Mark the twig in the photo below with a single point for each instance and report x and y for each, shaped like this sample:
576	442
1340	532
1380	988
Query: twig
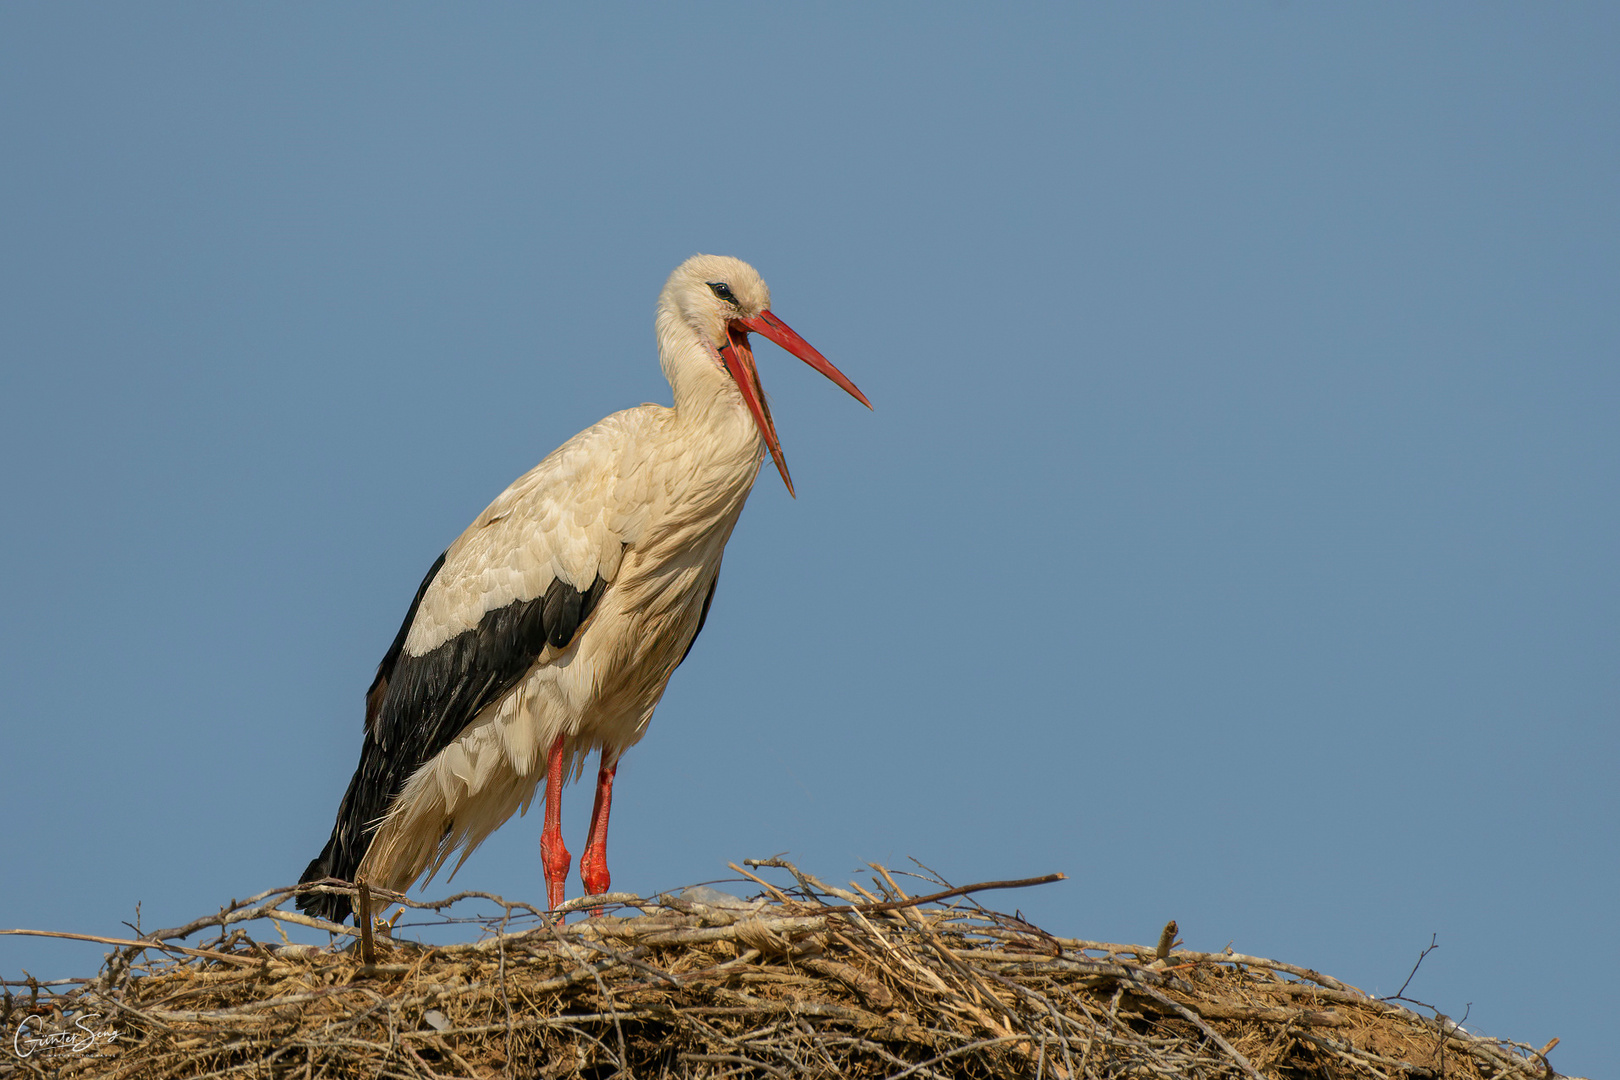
732	1059
368	948
1210	1033
579	903
959	1051
164	946
1167	940
613	1007
983	886
1399	995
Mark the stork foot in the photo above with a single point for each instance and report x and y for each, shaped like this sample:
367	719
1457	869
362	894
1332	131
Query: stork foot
595	872
593	864
555	861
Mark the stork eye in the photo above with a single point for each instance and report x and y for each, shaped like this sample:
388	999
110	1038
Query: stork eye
722	290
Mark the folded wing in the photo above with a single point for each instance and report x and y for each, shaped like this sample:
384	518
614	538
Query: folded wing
513	591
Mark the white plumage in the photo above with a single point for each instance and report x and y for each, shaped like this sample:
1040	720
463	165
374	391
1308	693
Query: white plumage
555	620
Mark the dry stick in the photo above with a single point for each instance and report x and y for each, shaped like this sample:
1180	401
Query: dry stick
204	953
1085	1055
631	961
728	933
731	1059
753	1005
581	1032
872	901
1167	939
251	1007
461	1062
1068	1058
140	1014
1542	1054
1484	1048
975	984
1059	1018
856	948
805	1039
524	1023
1020	932
368	948
1351	1052
483	989
896	905
818	1045
215	920
578	903
870	990
242	913
959	1051
379	1002
1273	1015
1487	1049
1209	1032
983	886
338	887
898	954
1399	995
1251	961
716	1033
874	1048
421	1061
613	1006
505	1000
809	881
772	889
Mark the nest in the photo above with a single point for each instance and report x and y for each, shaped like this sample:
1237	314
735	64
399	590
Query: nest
803	980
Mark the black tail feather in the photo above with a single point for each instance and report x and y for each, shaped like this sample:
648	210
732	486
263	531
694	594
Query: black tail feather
329	906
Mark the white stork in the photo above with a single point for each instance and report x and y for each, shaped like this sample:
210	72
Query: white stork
550	628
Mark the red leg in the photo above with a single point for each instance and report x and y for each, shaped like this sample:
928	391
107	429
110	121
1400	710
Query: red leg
554	857
593	864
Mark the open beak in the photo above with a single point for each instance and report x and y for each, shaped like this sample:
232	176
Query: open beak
739	360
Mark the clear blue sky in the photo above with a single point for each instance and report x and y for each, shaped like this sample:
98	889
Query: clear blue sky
1236	530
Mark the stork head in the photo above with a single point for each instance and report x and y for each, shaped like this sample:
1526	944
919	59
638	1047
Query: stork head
722	300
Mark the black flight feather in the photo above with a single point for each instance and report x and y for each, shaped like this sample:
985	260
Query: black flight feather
418	705
703	617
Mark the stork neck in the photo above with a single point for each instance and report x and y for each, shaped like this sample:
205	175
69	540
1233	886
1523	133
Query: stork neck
705	394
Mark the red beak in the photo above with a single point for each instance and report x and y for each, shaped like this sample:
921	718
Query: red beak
739	360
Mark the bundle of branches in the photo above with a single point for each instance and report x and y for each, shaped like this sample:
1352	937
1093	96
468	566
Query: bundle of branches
803	980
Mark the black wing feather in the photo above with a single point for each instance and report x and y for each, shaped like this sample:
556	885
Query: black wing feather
379	685
562	606
418	705
703	617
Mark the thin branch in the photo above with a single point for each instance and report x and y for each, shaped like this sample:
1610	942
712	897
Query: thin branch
1399	995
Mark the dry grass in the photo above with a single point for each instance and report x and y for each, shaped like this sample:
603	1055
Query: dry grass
807	980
